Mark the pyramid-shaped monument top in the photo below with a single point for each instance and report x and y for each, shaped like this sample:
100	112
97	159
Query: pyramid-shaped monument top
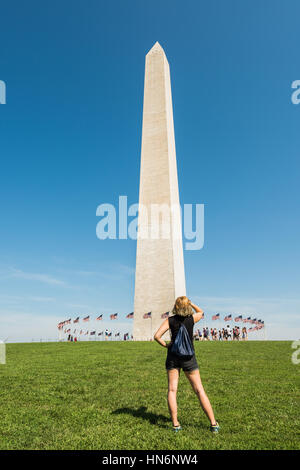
156	48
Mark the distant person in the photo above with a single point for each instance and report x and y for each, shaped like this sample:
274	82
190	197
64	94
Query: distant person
207	334
187	314
233	333
228	333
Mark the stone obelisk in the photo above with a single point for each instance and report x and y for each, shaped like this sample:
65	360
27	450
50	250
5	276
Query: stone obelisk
159	276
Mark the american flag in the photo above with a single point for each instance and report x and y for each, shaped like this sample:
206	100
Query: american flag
147	315
239	318
100	317
109	334
113	316
76	320
101	333
117	334
87	333
130	315
215	317
86	318
228	317
246	320
61	325
165	315
68	331
92	332
81	331
253	321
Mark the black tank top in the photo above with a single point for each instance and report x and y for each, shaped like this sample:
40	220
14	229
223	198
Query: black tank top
175	323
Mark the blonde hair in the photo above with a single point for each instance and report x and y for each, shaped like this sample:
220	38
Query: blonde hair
183	307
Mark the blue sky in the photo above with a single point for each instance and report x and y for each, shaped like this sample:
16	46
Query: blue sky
70	137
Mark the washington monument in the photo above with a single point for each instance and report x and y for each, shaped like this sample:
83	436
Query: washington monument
159	276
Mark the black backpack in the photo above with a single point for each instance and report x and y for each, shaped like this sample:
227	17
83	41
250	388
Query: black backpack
182	345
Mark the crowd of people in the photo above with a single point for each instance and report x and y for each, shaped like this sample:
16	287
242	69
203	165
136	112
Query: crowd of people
225	334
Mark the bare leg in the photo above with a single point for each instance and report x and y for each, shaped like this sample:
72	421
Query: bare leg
195	381
173	376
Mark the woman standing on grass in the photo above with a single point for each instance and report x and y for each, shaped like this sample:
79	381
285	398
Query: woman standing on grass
188	314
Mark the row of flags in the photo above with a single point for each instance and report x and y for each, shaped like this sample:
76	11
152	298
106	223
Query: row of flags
94	333
253	321
114	316
255	328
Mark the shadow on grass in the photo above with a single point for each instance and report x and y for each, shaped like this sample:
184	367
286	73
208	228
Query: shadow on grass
144	414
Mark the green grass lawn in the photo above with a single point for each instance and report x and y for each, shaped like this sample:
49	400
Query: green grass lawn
112	395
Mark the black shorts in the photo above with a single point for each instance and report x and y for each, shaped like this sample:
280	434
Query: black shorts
175	362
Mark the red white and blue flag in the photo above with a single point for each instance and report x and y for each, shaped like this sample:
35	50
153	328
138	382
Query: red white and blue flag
92	332
239	318
99	318
147	315
130	315
228	318
165	315
76	320
113	316
86	318
216	317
